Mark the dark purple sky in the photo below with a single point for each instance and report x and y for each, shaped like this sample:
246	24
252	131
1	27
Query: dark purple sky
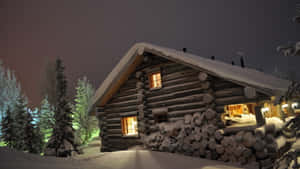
92	35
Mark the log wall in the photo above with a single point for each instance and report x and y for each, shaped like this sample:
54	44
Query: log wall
194	102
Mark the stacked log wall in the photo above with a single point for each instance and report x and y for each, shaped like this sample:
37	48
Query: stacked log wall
194	101
123	104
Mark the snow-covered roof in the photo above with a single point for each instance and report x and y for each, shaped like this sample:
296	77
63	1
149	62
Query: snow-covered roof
247	76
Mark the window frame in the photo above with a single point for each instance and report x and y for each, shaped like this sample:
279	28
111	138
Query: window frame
150	79
257	120
122	126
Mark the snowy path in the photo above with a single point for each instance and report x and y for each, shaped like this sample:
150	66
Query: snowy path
132	159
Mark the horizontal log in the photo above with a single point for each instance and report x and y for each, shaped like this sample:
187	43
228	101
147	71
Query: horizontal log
179	74
176	101
114	131
111	120
187	106
113	136
127	93
181	80
123	98
177	94
127	87
122	104
131	113
229	92
112	115
181	113
114	126
121	109
174	119
233	130
176	88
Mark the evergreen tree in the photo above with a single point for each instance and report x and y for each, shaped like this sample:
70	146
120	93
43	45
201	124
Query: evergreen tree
45	119
82	122
20	117
8	129
62	142
32	137
10	90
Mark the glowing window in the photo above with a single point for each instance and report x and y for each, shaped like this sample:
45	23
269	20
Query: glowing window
290	108
269	110
155	80
239	114
129	126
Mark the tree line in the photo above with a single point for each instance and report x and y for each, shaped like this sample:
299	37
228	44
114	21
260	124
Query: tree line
58	127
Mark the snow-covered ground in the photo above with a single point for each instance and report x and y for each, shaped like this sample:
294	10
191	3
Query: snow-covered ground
131	159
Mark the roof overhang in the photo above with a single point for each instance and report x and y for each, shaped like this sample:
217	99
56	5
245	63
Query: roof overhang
245	76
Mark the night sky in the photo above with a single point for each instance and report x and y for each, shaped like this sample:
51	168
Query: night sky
92	35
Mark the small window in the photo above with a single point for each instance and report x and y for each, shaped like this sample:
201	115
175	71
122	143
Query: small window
129	126
239	114
155	80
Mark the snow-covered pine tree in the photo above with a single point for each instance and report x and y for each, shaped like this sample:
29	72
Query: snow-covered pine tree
10	90
62	141
45	119
8	130
82	122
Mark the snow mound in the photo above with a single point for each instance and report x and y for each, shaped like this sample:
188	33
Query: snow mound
12	159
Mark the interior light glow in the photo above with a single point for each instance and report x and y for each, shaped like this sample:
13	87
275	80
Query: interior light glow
295	105
265	109
284	106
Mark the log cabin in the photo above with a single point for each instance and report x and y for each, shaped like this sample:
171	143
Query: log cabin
170	100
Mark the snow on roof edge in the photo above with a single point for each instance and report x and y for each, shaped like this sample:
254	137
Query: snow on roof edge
221	69
125	61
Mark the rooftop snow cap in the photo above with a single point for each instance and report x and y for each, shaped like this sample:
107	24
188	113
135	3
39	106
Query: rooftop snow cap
244	76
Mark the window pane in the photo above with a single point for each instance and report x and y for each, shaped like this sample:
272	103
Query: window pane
155	80
240	114
129	125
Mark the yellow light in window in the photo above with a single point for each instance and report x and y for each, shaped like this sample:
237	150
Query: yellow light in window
295	105
284	106
155	80
129	125
265	109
